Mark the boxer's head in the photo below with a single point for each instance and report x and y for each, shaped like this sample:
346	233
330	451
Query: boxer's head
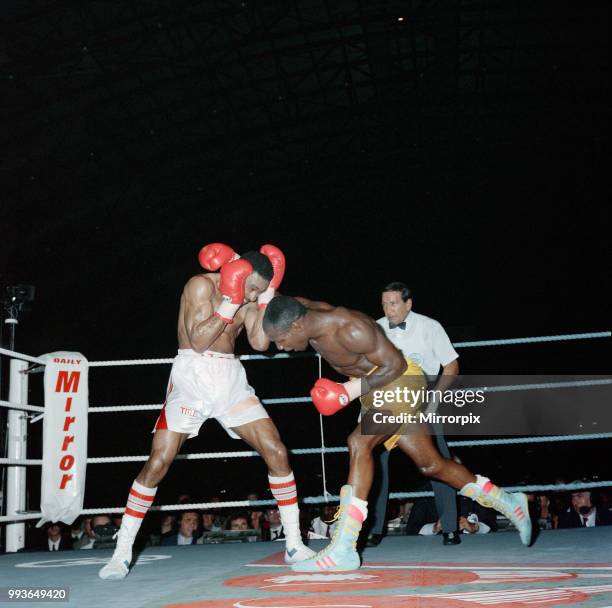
396	301
283	323
257	282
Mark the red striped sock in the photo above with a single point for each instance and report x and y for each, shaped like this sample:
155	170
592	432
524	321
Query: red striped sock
139	500
284	491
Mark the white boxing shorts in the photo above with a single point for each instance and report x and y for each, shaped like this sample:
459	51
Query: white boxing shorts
208	385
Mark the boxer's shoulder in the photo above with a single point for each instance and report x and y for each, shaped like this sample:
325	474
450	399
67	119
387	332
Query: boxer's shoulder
200	286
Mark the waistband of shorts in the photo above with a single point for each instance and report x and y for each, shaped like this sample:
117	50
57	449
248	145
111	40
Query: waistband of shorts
188	352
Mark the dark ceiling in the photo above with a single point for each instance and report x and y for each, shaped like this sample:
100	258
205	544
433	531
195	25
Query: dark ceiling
459	145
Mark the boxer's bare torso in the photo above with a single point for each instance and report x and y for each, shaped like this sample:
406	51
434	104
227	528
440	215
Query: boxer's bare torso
351	342
200	298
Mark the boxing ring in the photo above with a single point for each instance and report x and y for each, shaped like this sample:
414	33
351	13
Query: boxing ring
565	567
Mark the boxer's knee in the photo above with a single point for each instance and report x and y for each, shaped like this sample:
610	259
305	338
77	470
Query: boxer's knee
275	455
431	467
156	468
358	444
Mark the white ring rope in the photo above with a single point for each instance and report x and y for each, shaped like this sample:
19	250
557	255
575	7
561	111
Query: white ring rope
21	406
16	355
323	450
561	487
286	400
472	344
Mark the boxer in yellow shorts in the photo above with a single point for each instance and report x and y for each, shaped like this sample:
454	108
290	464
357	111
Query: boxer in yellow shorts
354	345
413	380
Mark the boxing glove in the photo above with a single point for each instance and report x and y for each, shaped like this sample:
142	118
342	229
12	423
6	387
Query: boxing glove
329	396
215	255
232	286
277	259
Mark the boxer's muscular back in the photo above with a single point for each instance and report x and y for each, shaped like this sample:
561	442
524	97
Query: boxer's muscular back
338	324
196	307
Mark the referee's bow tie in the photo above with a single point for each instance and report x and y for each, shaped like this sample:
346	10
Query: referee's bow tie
401	325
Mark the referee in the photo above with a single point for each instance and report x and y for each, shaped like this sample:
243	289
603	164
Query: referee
423	340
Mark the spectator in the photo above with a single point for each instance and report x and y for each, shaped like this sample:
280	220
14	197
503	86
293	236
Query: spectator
423	512
211	522
189	525
56	539
238	521
467	525
431	528
405	509
273	529
472	512
256	517
604	506
167	526
582	513
324	525
220	519
88	540
547	520
77	530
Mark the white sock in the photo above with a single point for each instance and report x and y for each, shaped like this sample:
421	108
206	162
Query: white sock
139	500
284	491
362	505
481	481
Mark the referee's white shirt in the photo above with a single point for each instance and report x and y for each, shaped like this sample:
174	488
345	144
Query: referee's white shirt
424	341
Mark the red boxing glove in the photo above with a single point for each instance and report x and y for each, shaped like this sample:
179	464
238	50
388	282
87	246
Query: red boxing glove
277	259
215	255
329	396
233	277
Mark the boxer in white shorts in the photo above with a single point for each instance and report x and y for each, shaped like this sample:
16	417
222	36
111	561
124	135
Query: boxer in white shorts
208	385
207	381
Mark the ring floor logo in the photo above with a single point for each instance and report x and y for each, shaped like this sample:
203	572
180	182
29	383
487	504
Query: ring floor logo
86	561
423	586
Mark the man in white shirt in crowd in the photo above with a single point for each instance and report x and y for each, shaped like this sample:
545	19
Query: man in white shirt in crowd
423	340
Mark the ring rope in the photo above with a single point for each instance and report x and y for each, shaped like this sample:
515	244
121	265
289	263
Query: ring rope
21	406
471	344
313	500
324	450
286	400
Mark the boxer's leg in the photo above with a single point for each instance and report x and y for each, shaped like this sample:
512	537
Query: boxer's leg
262	435
419	446
166	445
341	553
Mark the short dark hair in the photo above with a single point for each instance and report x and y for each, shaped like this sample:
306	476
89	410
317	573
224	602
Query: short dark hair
404	290
261	264
281	312
237	515
185	511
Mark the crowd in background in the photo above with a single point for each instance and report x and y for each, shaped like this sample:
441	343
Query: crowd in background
418	517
